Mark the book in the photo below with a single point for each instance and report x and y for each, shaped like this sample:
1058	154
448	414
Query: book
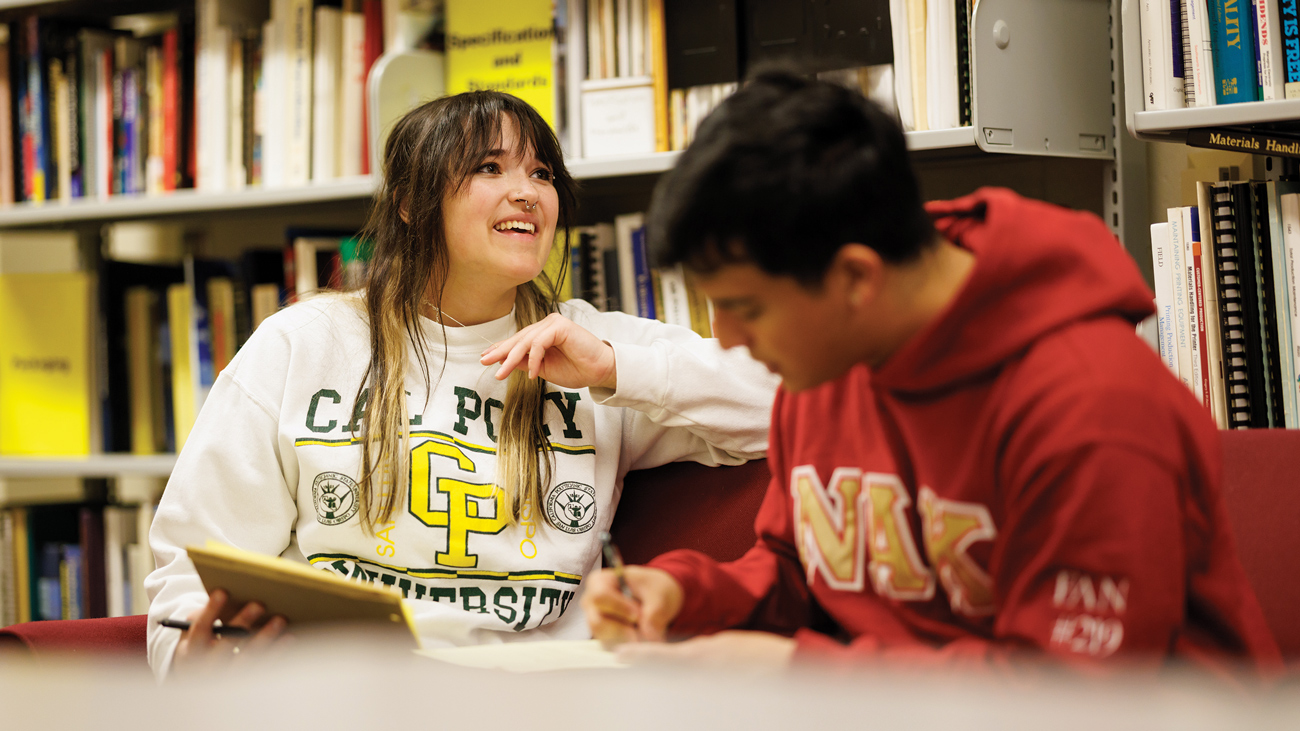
624	225
941	64
1233	48
1200	52
1202	226
326	73
702	45
1201	358
1157	66
507	46
1282	289
1248	264
1162	275
91	571
1231	315
1269	45
1181	299
183	365
1268	305
48	393
1289	25
352	81
1254	141
299	593
131	311
298	40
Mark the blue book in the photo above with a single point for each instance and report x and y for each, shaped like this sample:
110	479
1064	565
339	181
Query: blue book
645	298
1290	23
1236	76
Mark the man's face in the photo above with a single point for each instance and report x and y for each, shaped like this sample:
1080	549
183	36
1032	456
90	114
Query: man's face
798	332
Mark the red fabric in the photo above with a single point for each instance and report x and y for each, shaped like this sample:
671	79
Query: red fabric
124	636
1261	485
688	505
1023	474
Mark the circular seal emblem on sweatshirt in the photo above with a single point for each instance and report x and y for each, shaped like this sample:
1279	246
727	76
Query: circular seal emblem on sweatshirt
336	497
571	507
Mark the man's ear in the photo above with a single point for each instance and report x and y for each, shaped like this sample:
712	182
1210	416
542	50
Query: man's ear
860	270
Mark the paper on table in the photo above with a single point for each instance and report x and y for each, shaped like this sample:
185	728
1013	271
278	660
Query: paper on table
529	657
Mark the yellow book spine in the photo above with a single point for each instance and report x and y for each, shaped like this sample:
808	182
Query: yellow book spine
659	72
178	325
139	355
22	565
46	398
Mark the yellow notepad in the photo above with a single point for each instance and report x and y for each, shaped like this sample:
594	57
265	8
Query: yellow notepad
299	593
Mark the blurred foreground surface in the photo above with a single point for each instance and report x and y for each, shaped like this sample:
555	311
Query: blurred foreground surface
352	685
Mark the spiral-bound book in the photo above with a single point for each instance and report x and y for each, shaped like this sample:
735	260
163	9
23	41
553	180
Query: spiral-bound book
1232	330
1251	305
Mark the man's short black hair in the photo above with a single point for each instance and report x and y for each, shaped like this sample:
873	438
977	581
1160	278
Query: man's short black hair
781	175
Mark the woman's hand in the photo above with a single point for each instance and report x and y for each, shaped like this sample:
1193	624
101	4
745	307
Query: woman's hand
559	350
200	647
615	619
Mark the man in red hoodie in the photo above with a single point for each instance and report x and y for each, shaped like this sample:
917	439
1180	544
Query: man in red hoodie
973	455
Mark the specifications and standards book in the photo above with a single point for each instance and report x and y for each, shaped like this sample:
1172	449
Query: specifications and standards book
299	593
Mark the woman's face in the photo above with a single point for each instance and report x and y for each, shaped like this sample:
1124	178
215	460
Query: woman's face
495	235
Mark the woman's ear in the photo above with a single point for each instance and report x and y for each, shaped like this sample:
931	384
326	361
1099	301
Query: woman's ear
402	213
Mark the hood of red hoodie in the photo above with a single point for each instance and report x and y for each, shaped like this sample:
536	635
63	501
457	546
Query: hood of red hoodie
1038	268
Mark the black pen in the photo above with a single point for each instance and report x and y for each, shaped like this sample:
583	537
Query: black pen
217	629
615	562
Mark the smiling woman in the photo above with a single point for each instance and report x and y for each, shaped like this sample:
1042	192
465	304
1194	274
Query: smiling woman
370	433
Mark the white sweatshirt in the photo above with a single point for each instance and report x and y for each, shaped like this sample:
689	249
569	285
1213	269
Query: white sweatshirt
271	466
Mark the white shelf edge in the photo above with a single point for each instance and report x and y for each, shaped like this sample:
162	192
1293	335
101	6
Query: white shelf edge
100	465
1224	115
940	139
183	202
612	167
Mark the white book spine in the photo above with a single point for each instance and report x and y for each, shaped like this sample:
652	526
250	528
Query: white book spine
212	47
327	58
275	129
352	86
1162	271
676	303
1182	335
1174	81
623	27
941	64
623	227
236	176
1155	61
637	38
298	77
142	562
1269	37
114	569
1198	38
902	64
1291	235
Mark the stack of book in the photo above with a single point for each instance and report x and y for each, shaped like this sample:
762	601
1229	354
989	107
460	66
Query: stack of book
72	561
642	74
1225	278
234	94
1199	53
608	267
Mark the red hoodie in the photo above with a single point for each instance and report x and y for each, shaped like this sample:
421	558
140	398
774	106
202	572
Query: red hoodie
1023	473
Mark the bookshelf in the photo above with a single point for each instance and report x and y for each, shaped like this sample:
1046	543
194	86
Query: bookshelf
100	465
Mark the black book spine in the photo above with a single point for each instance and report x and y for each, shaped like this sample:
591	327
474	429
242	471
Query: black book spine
1227	275
1268	304
1248	261
963	61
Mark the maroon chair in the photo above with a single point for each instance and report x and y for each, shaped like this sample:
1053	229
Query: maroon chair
122	636
1261	486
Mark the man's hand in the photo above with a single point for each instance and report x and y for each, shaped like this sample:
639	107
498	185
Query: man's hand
201	647
559	350
755	652
616	619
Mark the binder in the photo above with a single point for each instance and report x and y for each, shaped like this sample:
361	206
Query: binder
1268	305
1248	261
1232	316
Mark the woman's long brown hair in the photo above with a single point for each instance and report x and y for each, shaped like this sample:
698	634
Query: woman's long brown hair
428	158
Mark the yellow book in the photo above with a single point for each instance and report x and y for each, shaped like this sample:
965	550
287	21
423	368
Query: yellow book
47	395
22	565
699	304
555	275
178	328
503	45
141	302
299	593
659	72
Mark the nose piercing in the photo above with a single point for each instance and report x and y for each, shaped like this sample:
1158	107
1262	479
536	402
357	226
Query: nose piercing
530	207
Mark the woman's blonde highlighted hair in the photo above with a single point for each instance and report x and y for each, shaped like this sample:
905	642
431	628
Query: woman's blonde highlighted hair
429	157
